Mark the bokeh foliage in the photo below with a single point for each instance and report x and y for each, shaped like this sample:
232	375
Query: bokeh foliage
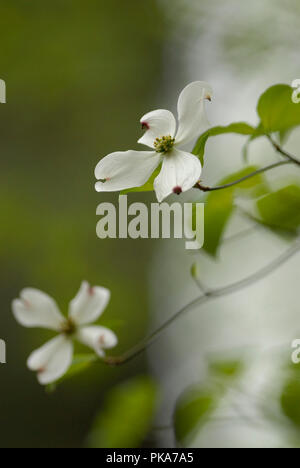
79	75
127	417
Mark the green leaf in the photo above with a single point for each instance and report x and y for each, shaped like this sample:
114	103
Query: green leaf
290	400
81	362
284	135
226	368
220	206
194	270
281	209
127	415
240	128
199	149
218	210
147	187
276	109
192	411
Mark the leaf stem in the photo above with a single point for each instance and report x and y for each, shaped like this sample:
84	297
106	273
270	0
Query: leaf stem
206	297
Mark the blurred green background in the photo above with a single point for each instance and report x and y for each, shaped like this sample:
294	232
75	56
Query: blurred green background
79	75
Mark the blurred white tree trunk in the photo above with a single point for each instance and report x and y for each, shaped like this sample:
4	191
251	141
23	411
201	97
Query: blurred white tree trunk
232	45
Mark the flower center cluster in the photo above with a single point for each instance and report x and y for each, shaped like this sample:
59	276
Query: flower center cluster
68	327
164	144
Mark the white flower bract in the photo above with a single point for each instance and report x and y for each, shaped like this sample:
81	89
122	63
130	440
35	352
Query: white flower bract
180	170
34	308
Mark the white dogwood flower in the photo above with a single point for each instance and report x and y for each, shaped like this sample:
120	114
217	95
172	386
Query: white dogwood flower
180	169
34	308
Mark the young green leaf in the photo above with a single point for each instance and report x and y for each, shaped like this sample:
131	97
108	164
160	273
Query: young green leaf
219	205
226	368
281	209
290	400
126	417
276	109
81	362
218	210
240	128
283	135
192	411
194	270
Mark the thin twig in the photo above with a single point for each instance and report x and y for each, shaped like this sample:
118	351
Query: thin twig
203	299
241	234
284	153
291	159
243	179
200	285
